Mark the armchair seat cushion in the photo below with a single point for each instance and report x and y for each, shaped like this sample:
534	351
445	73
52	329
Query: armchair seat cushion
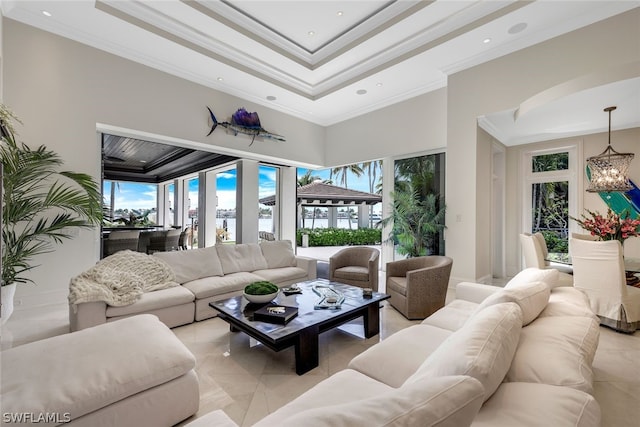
398	284
352	272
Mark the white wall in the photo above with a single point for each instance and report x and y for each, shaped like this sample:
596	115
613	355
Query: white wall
413	126
63	90
504	84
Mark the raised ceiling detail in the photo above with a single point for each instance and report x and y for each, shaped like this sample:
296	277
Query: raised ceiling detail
310	58
129	159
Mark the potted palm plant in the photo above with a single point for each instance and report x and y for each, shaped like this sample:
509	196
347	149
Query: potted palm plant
40	206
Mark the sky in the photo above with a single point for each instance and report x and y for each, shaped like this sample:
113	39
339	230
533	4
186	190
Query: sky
143	196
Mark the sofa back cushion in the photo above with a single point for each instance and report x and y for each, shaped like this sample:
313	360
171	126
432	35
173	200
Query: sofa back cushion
241	257
528	275
278	253
483	348
192	264
450	401
531	297
557	350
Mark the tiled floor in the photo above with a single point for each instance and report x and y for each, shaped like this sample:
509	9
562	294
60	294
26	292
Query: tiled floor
248	381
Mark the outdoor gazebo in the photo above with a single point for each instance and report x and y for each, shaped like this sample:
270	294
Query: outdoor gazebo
319	194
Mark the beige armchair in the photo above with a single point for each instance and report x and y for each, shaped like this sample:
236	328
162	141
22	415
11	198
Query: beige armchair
598	271
418	286
357	266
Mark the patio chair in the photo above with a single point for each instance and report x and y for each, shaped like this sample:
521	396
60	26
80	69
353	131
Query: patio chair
162	241
120	241
418	286
357	266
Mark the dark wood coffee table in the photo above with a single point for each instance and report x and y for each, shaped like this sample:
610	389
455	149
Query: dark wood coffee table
302	332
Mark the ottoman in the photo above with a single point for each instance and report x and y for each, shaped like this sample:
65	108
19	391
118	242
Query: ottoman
131	372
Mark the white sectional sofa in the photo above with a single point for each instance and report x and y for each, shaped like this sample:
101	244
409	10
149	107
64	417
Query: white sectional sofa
518	356
205	275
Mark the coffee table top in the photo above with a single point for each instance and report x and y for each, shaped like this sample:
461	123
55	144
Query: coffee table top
241	310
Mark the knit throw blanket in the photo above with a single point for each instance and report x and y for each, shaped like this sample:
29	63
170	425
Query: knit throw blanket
121	279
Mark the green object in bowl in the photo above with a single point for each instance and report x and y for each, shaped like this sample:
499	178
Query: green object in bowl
261	288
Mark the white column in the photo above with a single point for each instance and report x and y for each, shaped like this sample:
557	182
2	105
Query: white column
363	216
388	180
289	209
247	201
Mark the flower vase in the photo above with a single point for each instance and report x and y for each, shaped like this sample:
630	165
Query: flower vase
6	298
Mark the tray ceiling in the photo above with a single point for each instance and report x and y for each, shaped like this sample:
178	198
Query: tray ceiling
328	61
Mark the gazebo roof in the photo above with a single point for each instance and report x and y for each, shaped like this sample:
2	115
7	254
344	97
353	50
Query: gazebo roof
319	193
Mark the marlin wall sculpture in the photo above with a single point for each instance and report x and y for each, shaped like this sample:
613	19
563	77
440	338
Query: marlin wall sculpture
245	123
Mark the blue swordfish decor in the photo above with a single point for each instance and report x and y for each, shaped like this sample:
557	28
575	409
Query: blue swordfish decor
246	123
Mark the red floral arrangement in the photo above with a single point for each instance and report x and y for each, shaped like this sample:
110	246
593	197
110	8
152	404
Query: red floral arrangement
611	227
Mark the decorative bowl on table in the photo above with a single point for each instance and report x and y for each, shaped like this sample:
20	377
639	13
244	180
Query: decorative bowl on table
260	292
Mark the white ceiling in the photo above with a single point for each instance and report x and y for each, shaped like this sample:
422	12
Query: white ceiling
391	50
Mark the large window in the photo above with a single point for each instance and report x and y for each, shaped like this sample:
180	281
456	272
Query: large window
226	188
268	202
549	196
419	205
130	203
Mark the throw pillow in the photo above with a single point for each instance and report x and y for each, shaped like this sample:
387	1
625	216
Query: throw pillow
449	401
278	253
528	275
482	349
531	297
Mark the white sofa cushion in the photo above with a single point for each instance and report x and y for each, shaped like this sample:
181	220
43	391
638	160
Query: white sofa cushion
565	301
92	368
212	286
451	401
278	253
540	405
556	351
344	386
149	301
532	274
397	357
282	274
241	257
192	264
531	297
482	349
452	316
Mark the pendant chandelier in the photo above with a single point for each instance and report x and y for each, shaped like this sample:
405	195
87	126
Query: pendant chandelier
609	169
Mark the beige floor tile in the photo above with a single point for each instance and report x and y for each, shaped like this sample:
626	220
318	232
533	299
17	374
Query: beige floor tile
619	402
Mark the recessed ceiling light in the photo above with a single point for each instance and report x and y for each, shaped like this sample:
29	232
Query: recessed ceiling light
361	91
518	28
271	98
311	33
487	40
46	13
143	161
379	84
220	79
339	13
